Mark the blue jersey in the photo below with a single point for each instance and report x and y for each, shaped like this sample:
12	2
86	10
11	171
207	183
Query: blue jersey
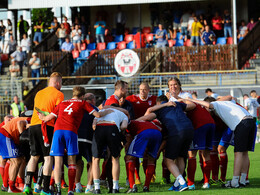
174	119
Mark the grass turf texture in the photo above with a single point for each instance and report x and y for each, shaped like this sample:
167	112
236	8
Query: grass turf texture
157	188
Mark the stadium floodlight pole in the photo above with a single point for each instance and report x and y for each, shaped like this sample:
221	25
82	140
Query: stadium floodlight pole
234	19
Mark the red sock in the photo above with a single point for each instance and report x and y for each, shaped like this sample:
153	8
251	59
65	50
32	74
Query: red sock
131	172
192	164
127	169
207	169
223	165
248	170
20	182
214	164
166	173
145	162
137	168
103	174
72	175
6	174
13	188
2	168
52	181
201	162
149	174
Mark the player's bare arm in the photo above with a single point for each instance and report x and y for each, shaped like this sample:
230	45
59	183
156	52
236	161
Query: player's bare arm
148	117
157	107
203	103
94	124
46	118
123	125
225	98
101	114
118	108
21	125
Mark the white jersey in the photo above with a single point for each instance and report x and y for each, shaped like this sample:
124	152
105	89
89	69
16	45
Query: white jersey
252	106
231	113
214	95
117	117
182	95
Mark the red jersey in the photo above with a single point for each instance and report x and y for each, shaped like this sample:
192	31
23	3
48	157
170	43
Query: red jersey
140	106
199	117
69	114
136	127
113	99
2	124
220	125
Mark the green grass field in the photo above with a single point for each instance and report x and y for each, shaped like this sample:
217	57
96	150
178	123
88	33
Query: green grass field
156	188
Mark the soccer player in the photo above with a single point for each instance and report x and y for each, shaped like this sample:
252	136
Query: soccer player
210	93
146	135
120	91
9	147
107	133
242	123
251	105
69	114
180	134
46	100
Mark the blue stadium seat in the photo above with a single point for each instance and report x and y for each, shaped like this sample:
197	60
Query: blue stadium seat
221	41
91	46
111	45
130	45
135	30
119	38
179	42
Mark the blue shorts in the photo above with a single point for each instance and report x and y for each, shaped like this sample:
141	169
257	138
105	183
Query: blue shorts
8	149
150	139
203	137
227	138
76	41
64	139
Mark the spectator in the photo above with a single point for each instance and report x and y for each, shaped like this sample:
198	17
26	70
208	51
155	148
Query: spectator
100	30
184	24
2	33
35	67
208	36
14	69
25	90
9	27
19	57
251	24
190	21
11	44
66	25
196	29
161	36
67	46
84	30
120	19
23	27
227	24
38	30
176	21
217	25
202	20
54	25
76	22
26	46
76	37
242	30
17	107
61	34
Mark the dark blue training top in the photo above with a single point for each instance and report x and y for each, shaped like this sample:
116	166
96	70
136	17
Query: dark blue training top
85	130
174	118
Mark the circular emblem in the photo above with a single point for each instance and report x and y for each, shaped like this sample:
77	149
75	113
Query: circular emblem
127	63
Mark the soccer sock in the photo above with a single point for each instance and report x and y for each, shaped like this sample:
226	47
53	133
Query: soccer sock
243	178
192	164
58	186
46	183
39	178
97	184
103	174
248	170
176	183
52	182
201	162
181	180
145	162
207	170
127	170
137	168
12	187
28	179
214	164
62	176
149	174
90	187
131	173
6	174
2	168
234	181
115	184
223	165
20	181
72	175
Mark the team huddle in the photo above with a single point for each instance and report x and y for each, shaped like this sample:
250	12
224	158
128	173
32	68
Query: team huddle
60	132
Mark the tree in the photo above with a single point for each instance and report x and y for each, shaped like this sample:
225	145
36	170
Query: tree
45	13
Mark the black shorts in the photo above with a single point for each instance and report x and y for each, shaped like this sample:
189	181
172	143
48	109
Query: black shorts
85	150
106	136
36	140
178	145
244	139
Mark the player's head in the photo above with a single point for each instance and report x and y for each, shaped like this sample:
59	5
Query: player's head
161	98
7	118
208	91
90	98
245	96
253	94
144	90
194	95
209	99
78	92
174	85
56	80
121	88
122	101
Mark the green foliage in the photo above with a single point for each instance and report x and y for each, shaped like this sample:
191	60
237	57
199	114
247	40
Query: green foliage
45	13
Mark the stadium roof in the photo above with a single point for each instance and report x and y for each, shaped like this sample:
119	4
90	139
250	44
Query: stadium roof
26	4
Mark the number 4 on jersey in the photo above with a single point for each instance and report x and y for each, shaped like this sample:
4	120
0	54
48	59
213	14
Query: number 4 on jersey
69	109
